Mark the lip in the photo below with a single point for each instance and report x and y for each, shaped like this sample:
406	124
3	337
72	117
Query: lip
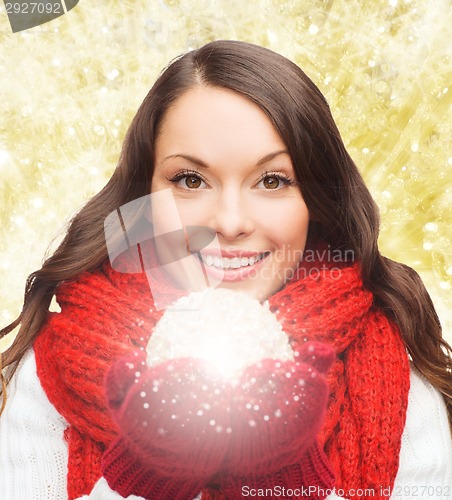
231	274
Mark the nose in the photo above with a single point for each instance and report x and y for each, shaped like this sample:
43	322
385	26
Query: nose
232	215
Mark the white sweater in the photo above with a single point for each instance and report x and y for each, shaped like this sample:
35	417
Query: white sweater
33	453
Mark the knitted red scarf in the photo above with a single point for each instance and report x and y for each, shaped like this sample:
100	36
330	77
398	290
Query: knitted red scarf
105	314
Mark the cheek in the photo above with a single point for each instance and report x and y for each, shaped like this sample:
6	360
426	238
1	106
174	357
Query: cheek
194	212
287	224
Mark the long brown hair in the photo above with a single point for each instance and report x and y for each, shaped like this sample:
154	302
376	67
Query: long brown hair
342	210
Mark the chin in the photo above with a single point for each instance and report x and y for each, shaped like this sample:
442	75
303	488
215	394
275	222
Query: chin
261	293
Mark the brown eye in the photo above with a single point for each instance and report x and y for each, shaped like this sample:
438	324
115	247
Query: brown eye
192	182
188	180
271	182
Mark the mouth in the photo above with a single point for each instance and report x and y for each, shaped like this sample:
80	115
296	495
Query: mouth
225	263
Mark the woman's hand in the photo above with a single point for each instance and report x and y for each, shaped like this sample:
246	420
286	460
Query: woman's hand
277	410
174	416
286	404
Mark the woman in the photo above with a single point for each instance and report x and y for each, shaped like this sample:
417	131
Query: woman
246	145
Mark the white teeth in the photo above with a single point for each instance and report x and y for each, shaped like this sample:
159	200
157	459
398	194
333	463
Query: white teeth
226	263
235	263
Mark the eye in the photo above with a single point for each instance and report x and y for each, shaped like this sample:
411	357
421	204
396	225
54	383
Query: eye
192	181
188	180
273	181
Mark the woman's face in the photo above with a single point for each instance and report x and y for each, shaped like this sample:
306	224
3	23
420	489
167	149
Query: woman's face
228	170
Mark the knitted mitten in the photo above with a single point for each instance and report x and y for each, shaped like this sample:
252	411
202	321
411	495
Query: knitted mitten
311	477
128	475
171	419
273	442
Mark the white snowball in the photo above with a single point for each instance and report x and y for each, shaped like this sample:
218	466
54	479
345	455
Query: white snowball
229	329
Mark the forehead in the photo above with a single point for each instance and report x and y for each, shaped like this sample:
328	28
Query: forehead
213	122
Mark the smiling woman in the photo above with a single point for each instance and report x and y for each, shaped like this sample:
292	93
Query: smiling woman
235	140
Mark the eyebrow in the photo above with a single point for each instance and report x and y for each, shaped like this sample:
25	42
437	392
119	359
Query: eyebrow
200	163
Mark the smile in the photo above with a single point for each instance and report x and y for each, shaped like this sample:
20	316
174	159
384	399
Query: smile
231	263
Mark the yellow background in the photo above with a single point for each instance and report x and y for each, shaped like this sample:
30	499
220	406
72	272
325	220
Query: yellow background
69	89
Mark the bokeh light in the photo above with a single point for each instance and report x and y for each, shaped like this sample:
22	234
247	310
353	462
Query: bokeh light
69	89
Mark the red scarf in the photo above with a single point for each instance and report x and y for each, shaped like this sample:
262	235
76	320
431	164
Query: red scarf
105	314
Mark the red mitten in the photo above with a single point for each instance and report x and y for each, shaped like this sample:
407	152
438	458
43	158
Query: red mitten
172	421
311	477
279	409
